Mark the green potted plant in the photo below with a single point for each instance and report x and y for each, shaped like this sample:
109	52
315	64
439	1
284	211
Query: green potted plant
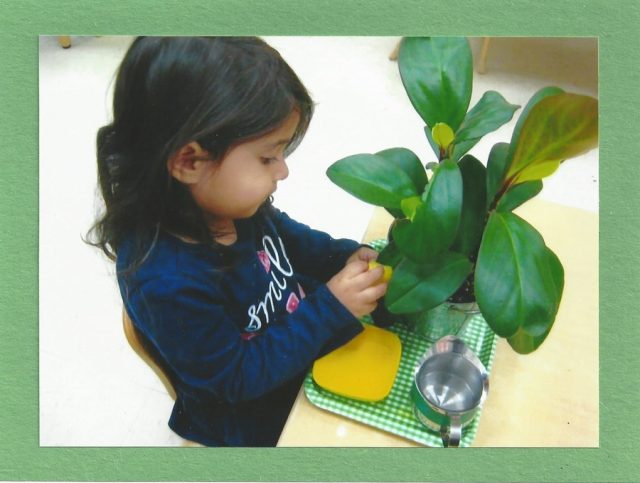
455	236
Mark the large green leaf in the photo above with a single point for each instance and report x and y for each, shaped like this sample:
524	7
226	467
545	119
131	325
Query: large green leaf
496	170
437	73
372	179
474	202
491	112
395	212
390	255
436	220
514	284
416	287
535	99
518	194
524	341
557	128
408	162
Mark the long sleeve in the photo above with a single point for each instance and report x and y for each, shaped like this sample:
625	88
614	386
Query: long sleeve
314	253
238	327
195	334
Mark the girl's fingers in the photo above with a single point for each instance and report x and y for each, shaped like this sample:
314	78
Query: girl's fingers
368	309
355	268
367	254
374	292
367	278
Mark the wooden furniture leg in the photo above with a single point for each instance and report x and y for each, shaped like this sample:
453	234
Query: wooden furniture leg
394	54
484	51
64	41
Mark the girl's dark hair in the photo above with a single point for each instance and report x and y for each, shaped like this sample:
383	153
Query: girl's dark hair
169	91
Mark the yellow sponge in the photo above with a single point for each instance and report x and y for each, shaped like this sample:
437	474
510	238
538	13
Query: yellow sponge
365	368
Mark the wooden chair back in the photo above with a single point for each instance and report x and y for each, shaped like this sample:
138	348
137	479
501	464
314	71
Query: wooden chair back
141	346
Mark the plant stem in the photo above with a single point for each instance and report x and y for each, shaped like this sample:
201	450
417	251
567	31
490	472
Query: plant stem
502	191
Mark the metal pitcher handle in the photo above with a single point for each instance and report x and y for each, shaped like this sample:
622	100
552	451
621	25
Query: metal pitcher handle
451	434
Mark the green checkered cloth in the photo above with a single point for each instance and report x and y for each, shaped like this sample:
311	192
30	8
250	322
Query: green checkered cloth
395	413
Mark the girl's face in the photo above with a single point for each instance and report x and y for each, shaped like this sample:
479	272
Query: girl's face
244	179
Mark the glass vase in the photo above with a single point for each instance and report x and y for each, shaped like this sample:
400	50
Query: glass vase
448	318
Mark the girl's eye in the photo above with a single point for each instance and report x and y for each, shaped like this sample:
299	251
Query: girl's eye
268	160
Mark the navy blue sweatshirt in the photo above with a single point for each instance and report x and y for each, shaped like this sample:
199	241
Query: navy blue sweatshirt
238	328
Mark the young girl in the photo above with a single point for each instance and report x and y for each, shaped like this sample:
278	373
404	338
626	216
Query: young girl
235	298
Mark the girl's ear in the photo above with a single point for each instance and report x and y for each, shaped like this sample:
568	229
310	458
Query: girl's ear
187	164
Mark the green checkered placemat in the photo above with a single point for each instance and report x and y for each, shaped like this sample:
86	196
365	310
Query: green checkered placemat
395	413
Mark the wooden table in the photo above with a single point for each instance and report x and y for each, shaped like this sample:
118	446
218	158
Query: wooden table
545	399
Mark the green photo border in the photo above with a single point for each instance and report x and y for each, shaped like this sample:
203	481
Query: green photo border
615	23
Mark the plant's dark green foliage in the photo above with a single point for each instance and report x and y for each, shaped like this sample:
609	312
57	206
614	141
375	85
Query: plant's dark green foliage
459	225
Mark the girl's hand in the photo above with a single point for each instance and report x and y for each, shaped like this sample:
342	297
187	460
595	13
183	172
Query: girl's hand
364	254
357	287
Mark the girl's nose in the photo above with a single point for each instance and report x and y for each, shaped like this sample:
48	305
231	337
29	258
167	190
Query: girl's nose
282	171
